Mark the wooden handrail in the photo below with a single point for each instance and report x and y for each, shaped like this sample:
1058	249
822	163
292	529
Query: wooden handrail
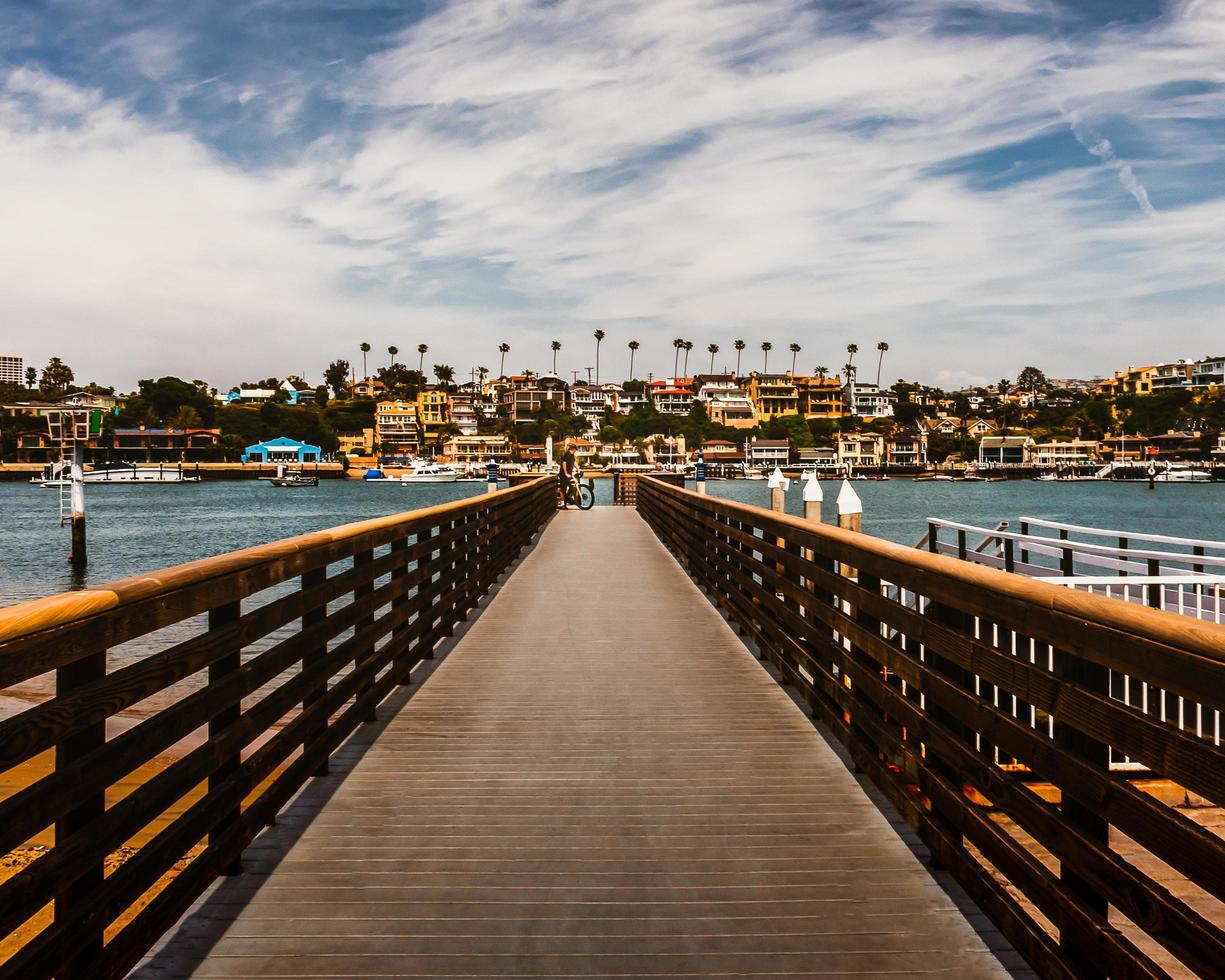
342	617
961	690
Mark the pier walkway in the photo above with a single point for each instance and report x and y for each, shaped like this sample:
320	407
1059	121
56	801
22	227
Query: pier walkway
489	739
598	780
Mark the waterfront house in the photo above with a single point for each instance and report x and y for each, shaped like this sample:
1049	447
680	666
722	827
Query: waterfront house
462	411
1133	381
396	428
282	450
433	414
906	449
820	398
868	401
1066	452
716	449
1005	450
165	445
1122	448
468	450
527	394
1177	444
1209	372
950	425
672	400
768	453
821	457
90	399
292	393
627	401
726	403
367	388
666	450
1219	452
860	449
359	443
1172	375
773	395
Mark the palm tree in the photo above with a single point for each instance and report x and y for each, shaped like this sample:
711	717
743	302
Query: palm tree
633	346
556	345
849	370
713	349
852	349
739	345
821	371
687	347
599	336
766	347
482	373
503	349
393	351
678	344
422	349
445	374
882	347
795	350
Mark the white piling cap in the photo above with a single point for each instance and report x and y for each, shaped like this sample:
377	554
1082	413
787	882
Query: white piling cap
777	480
848	500
812	489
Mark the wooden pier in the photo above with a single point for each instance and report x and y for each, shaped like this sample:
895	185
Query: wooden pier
599	779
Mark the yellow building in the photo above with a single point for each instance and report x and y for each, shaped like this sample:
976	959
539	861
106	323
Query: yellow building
773	395
433	413
471	450
355	443
820	398
1133	381
396	429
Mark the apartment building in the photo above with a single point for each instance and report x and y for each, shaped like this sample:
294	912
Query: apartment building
868	401
12	369
773	395
397	429
433	414
820	398
470	450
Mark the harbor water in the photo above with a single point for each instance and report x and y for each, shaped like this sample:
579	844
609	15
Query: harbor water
134	529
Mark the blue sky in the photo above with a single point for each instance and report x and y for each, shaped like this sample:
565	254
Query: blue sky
231	190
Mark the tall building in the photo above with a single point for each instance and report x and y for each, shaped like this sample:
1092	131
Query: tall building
12	370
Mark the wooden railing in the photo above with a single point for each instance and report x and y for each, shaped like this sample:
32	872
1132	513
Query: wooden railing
979	703
271	657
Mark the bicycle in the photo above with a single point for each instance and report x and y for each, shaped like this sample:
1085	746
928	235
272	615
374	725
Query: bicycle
581	495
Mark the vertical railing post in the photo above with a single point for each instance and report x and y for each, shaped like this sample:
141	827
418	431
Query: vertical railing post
312	736
399	609
84	670
363	589
1083	816
219	618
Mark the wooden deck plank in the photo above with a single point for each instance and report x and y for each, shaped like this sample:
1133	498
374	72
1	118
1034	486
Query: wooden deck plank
550	804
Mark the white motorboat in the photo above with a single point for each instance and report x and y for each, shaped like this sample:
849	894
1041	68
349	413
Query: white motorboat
1175	473
430	473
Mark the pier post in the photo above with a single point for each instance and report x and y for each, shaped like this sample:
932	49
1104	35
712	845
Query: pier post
850	518
491	479
77	475
813	498
699	473
778	491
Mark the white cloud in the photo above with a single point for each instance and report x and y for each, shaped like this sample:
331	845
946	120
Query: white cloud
705	168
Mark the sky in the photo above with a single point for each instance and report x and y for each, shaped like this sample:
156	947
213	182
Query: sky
231	191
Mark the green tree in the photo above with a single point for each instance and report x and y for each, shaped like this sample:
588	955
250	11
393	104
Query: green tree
445	375
766	347
365	349
712	350
556	345
795	352
422	350
503	349
186	418
337	376
739	345
633	346
599	339
31	377
1031	379
56	378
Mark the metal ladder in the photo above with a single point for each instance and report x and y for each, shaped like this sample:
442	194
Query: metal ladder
65	489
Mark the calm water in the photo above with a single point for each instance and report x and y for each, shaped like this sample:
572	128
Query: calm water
139	528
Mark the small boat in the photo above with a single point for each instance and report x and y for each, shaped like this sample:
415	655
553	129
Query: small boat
943	476
1182	474
294	478
430	473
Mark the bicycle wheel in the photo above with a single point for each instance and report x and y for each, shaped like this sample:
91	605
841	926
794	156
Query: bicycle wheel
586	497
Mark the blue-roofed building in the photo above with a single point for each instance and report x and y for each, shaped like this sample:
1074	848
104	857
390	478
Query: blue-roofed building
282	450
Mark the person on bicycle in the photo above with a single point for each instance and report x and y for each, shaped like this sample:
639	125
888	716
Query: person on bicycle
568	473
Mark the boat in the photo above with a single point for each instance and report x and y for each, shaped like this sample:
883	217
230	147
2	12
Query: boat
430	473
292	478
59	475
943	476
1174	473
